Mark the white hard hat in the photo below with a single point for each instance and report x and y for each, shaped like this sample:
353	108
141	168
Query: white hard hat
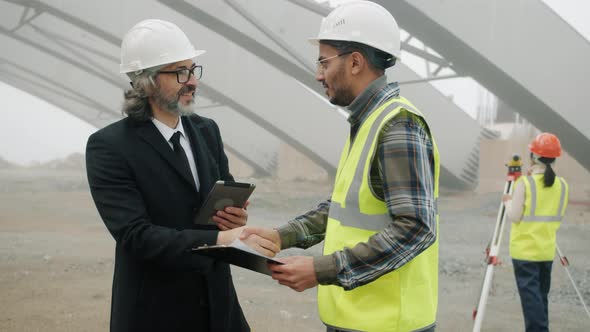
153	43
363	22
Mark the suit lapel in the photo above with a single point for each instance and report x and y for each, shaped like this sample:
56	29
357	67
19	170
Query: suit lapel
148	132
200	151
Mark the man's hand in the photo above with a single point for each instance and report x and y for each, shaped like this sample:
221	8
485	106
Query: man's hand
252	239
267	233
231	217
297	272
506	198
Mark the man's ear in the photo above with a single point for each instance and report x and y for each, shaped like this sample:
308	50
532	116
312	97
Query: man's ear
358	62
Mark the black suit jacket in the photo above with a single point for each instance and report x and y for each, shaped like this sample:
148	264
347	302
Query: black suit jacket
148	204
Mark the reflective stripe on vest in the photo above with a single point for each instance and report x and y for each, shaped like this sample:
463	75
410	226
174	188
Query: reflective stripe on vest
402	300
533	237
351	215
533	190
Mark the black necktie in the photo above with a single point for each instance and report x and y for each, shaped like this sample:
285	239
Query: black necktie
179	152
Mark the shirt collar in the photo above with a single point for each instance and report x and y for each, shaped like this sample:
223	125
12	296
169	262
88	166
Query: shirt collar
358	107
166	131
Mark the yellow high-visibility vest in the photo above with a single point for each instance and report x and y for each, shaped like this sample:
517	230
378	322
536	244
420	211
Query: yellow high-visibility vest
402	300
533	237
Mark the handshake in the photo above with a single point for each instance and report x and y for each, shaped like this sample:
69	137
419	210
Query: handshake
232	223
297	272
266	241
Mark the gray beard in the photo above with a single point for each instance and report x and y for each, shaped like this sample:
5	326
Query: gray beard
173	105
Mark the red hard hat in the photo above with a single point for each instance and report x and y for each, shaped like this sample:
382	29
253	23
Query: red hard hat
546	145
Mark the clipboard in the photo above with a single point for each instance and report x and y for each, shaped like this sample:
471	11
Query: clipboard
239	254
222	195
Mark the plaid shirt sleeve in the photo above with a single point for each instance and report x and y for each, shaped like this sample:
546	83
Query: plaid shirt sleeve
307	229
406	167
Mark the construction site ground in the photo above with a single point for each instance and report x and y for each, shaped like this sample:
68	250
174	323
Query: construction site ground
56	258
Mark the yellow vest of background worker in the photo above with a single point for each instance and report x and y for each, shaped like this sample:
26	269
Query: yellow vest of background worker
533	237
402	300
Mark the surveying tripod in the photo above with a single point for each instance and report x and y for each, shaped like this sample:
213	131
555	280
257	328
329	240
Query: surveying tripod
493	248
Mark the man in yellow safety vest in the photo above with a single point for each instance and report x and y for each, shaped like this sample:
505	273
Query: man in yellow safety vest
379	268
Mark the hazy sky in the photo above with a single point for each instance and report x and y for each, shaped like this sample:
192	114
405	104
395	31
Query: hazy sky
37	130
34	130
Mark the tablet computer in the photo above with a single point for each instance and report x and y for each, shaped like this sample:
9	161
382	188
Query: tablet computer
222	195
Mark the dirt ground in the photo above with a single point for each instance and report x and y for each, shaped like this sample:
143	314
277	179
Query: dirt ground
56	259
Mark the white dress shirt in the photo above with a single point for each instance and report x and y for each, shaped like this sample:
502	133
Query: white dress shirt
167	133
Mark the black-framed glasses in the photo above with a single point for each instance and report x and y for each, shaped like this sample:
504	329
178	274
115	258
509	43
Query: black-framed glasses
184	74
322	64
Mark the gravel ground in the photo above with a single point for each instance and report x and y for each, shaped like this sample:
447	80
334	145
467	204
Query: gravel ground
56	259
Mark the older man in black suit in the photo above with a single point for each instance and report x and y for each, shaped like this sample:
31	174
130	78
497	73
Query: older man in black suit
148	174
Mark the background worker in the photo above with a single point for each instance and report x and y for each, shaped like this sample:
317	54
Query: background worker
536	210
379	269
148	175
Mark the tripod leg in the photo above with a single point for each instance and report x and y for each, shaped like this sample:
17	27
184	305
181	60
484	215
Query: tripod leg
565	263
492	260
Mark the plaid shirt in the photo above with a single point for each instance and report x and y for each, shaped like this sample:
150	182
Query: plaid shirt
403	176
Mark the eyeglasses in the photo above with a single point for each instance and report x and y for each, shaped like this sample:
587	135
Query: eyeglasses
322	64
183	74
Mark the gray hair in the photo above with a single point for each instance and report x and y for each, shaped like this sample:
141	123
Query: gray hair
377	59
136	105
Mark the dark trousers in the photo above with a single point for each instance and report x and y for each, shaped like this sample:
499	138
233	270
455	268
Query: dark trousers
533	280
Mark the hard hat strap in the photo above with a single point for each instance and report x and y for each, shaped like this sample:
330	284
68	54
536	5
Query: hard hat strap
147	72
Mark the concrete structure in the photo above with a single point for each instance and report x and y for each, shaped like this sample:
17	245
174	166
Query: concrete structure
258	79
521	51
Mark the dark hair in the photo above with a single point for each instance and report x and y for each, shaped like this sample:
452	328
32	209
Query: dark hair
549	175
378	59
